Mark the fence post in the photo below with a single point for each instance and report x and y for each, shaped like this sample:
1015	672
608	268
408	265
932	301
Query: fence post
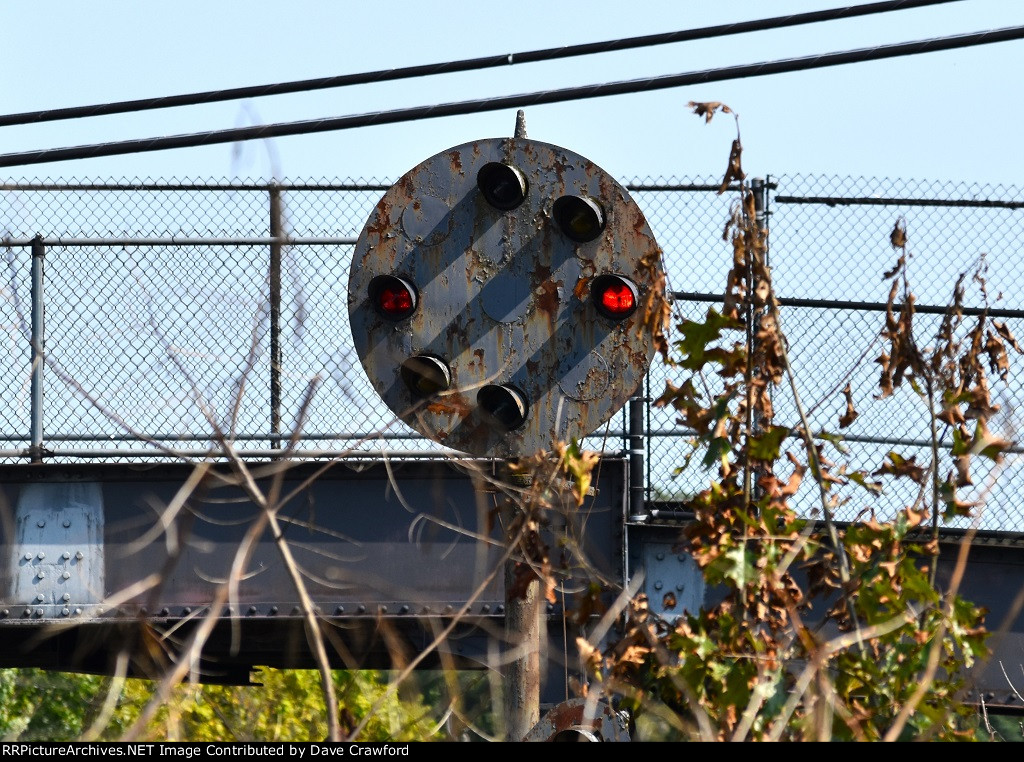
38	339
637	485
276	232
759	189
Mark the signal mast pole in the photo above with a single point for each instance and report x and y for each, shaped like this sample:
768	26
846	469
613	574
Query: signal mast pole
523	627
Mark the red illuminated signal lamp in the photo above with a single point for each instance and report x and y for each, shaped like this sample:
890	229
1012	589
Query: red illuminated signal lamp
394	298
615	296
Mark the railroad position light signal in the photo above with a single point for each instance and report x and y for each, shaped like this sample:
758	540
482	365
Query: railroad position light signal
503	295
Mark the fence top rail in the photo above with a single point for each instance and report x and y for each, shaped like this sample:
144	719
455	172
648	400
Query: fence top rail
348	187
147	187
374	186
181	241
838	304
893	201
196	454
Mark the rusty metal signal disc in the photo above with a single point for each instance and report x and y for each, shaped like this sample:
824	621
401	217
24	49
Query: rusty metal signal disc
503	295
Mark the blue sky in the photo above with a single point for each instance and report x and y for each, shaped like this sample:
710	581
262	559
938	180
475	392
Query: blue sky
943	116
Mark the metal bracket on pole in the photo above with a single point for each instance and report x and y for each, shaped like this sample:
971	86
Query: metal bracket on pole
757	185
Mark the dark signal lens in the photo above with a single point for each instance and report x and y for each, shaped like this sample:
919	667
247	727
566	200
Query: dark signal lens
426	375
394	298
579	217
503	406
614	297
502	185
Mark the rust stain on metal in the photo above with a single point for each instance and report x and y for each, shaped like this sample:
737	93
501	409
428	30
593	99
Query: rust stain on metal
547	302
478	354
456	162
579	720
454	404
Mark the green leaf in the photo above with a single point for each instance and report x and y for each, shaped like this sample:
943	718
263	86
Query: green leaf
861	478
766	446
698	337
961	445
718	450
836	440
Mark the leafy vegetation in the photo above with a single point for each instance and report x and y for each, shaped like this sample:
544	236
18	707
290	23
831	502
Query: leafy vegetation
819	632
286	705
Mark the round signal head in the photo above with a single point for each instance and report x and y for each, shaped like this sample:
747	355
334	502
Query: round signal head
504	406
394	298
506	345
502	185
614	296
426	375
579	217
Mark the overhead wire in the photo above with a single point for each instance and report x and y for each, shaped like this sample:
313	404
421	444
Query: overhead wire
331	124
469	64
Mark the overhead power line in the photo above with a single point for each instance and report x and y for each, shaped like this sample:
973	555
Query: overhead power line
498	103
470	64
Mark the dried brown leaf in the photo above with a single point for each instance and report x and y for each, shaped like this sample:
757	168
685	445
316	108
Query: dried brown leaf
1003	331
898	236
988	444
708	109
998	361
885	378
734	172
900	466
851	414
951	415
963	471
895	269
980	405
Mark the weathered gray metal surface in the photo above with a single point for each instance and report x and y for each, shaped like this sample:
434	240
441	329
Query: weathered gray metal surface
504	297
672	581
374	543
56	561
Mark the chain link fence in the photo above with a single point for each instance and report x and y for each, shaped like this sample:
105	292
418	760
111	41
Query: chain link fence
170	315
